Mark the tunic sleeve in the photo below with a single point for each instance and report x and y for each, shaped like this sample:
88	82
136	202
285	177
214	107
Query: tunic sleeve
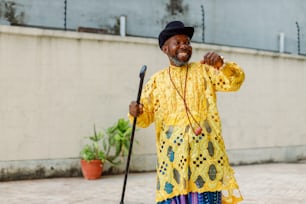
147	98
229	78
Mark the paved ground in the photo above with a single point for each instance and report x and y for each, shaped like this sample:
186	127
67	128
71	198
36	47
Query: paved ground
260	184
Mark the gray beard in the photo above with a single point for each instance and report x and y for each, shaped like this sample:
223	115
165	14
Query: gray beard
177	62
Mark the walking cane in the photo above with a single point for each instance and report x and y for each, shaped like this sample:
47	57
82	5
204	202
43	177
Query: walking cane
141	76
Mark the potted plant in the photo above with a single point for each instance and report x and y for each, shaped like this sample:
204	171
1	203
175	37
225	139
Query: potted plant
108	146
93	157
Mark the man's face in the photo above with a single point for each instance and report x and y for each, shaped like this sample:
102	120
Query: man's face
178	49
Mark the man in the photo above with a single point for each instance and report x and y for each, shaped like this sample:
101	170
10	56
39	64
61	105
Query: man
192	166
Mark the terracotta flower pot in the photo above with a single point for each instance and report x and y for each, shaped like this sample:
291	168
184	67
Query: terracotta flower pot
92	169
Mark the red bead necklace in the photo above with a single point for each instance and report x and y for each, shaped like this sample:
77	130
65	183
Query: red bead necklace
183	96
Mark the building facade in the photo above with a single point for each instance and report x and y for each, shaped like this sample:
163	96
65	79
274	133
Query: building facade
273	25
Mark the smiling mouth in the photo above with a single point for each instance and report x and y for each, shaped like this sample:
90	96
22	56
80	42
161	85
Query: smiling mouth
183	54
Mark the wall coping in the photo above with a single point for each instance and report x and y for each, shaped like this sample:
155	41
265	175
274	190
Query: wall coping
28	31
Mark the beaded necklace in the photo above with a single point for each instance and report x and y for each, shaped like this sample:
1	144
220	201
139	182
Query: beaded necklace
183	96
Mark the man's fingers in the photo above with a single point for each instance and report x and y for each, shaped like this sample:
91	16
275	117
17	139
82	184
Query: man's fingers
213	59
210	58
135	109
140	109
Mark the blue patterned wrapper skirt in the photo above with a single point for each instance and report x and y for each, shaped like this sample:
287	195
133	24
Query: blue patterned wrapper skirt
196	198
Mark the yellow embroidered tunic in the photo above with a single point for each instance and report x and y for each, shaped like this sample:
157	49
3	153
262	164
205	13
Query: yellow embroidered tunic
186	162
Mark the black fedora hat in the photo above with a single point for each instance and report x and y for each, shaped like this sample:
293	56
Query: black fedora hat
174	28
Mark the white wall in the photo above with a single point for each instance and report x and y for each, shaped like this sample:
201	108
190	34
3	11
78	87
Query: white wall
55	85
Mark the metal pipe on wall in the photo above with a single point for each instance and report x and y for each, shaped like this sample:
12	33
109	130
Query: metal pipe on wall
122	25
281	42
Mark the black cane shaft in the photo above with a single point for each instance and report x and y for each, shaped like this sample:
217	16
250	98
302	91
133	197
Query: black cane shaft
128	161
141	75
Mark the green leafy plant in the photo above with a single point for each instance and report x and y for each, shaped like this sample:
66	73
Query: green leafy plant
117	141
111	145
93	151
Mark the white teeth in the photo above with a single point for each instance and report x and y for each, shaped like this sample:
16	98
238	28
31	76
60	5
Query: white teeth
182	54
